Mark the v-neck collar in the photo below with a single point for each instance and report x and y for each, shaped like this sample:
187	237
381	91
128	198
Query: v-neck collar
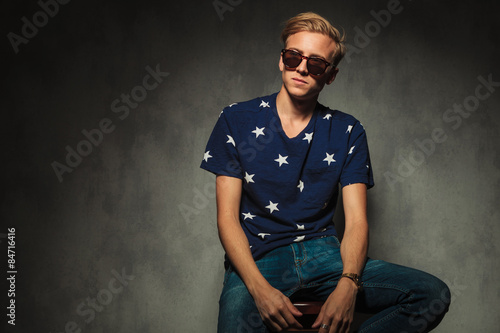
309	125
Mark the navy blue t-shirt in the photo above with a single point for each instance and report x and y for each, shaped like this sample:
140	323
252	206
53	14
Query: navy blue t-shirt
290	185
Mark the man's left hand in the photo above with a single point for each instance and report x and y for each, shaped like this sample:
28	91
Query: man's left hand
338	311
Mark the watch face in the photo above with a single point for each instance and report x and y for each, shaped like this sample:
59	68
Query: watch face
354	277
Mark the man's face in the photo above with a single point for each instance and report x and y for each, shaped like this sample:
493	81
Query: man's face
298	82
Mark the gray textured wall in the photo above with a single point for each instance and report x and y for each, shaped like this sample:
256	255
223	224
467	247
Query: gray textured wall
125	240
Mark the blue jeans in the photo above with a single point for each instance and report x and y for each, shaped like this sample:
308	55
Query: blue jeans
402	299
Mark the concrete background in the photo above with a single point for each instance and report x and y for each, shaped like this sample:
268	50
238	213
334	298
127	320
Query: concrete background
125	239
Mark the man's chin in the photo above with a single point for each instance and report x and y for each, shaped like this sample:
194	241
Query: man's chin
302	94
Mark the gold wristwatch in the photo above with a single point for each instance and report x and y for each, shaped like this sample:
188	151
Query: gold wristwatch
354	277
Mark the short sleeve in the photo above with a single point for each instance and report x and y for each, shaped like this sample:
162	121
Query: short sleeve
357	167
221	155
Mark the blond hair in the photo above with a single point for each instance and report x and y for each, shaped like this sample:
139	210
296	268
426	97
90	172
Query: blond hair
313	22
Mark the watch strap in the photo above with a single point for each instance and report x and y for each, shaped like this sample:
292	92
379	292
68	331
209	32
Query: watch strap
355	278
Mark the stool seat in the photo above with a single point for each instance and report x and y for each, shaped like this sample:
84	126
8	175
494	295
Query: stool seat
310	311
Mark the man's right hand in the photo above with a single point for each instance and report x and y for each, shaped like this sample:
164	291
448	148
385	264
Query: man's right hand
276	310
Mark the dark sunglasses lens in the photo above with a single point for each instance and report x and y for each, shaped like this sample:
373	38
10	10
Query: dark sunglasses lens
316	66
291	59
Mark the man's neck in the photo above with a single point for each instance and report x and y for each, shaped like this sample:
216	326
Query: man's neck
294	113
294	109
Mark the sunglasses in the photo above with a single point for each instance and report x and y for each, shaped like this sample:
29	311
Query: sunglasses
315	66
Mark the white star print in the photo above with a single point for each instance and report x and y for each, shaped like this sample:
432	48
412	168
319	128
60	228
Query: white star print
207	156
248	216
263	235
351	150
349	128
301	227
231	105
301	185
264	104
281	159
299	238
328	116
220	114
231	140
308	137
329	158
272	206
258	131
248	177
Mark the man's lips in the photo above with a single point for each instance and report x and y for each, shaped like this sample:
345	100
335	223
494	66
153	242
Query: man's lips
299	80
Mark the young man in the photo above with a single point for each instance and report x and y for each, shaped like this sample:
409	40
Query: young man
280	161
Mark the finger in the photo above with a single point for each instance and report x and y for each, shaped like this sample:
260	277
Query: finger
290	319
282	319
344	328
273	324
319	320
325	328
288	313
336	327
322	320
296	312
273	327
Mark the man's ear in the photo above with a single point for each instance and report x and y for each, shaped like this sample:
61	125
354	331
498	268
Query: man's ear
281	64
332	75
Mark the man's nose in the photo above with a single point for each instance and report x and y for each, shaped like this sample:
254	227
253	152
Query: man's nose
302	67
